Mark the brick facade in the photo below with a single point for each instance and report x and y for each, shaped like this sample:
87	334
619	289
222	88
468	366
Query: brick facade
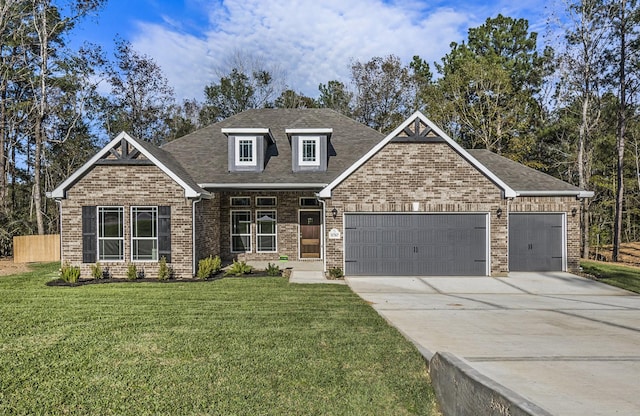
287	211
127	186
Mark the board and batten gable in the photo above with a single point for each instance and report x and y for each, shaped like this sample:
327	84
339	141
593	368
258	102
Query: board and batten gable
127	186
418	177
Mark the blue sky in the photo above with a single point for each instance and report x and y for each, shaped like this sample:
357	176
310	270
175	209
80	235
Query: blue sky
309	41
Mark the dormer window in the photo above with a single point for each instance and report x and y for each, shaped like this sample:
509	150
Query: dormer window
248	148
245	151
309	149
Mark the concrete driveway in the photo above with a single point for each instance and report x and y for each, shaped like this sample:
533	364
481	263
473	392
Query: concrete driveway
568	344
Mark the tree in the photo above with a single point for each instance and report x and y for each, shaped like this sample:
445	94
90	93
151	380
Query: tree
490	86
623	55
48	27
249	83
141	99
384	92
581	67
334	95
292	99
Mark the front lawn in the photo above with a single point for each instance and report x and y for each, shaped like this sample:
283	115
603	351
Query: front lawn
624	277
236	346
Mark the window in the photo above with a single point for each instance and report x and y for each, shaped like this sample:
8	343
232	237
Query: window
309	202
266	201
308	150
240	231
246	151
240	201
266	231
111	233
144	233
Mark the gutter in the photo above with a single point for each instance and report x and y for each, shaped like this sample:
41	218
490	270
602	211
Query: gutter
577	194
262	185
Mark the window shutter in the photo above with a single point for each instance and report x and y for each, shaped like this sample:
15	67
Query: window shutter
164	233
89	237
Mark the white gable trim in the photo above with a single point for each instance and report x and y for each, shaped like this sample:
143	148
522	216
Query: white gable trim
508	192
60	191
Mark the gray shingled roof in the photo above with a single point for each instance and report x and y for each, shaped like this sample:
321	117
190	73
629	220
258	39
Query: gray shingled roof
519	177
170	162
203	153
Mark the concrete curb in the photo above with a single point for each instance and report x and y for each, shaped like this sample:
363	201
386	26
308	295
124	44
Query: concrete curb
462	390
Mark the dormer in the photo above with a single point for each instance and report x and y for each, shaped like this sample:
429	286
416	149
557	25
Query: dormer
309	149
248	148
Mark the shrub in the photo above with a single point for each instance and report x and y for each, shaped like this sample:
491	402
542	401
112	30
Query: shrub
336	273
132	273
273	270
69	273
208	267
164	270
96	271
238	268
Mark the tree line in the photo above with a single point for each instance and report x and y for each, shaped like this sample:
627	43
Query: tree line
568	107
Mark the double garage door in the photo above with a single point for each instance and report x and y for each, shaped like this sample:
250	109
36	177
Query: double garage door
448	244
416	244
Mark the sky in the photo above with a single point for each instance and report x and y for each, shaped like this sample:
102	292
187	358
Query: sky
311	41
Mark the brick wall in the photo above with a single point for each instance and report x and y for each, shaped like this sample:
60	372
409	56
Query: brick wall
288	206
431	174
208	227
127	186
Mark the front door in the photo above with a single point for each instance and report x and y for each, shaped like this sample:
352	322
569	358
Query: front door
310	234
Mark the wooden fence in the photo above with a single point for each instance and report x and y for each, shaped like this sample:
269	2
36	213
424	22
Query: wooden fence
36	248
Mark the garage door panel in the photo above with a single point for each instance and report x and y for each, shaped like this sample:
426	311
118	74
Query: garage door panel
415	244
536	242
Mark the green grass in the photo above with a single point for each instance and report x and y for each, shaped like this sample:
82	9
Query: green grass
252	346
616	275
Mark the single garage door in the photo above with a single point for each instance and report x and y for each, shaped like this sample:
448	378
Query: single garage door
415	244
536	242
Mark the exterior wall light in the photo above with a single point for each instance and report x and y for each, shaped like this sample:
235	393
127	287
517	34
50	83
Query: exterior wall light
574	211
499	212
334	212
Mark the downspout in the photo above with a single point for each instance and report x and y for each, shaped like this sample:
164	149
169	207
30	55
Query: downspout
59	202
193	236
324	234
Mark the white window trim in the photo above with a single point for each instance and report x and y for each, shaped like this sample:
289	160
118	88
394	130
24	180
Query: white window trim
260	213
254	143
100	231
275	201
132	220
231	233
316	141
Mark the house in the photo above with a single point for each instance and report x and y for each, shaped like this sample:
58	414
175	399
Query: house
314	185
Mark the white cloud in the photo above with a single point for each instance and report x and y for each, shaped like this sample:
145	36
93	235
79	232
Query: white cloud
312	40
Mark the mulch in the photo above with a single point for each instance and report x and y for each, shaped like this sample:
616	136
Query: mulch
85	281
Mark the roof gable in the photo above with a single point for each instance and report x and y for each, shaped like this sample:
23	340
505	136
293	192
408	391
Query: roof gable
124	149
419	128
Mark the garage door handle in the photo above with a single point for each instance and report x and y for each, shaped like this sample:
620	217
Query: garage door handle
530	246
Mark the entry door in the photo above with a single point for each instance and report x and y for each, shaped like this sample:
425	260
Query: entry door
310	234
536	242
